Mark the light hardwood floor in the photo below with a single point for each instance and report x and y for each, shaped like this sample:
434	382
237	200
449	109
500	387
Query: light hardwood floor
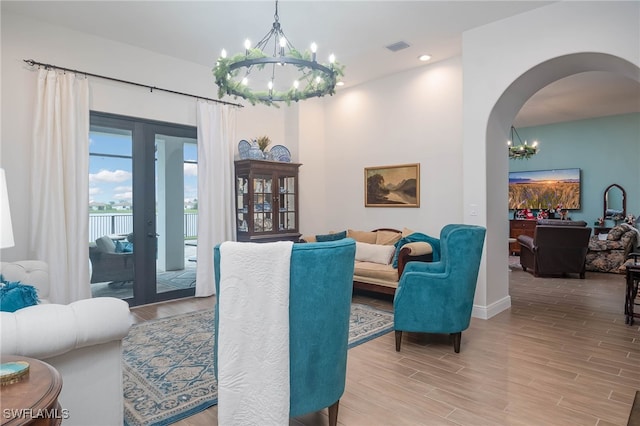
562	355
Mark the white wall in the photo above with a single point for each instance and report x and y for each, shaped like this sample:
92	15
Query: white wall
506	62
313	185
24	38
419	116
410	117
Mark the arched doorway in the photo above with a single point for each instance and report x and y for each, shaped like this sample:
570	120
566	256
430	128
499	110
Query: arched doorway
497	132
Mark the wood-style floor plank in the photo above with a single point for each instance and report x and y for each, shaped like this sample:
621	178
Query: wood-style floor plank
562	355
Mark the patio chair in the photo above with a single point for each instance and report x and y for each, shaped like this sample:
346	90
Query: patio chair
107	265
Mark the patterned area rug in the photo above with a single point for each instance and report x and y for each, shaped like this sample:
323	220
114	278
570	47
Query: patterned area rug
168	363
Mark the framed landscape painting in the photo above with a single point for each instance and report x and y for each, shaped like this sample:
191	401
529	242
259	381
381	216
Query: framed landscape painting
392	186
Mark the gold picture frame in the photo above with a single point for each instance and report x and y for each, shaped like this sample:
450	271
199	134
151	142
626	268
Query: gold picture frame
392	186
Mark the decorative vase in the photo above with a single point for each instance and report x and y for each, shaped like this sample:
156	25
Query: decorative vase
255	153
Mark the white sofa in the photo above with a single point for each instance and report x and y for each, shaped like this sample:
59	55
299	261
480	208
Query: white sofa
82	340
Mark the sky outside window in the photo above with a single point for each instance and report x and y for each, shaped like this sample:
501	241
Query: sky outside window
110	174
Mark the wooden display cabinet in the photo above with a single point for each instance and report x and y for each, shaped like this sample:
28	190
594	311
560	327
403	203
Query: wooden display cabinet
266	201
520	227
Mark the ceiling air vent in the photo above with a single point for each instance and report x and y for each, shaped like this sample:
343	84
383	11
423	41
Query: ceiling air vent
398	46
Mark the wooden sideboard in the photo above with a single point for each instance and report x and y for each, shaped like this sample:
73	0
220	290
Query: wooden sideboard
597	230
520	227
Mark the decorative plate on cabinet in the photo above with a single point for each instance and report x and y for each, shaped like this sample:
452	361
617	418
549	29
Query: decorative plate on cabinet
280	153
243	149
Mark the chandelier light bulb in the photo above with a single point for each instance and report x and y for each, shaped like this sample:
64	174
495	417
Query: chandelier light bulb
223	54
535	143
318	79
245	81
332	58
509	143
247	44
283	42
296	83
270	85
314	49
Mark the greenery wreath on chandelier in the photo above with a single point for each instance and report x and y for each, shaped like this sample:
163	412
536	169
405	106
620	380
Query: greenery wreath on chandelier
522	151
312	81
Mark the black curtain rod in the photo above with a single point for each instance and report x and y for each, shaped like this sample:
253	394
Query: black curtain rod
151	88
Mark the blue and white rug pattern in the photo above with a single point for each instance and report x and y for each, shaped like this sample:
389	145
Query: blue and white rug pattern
168	364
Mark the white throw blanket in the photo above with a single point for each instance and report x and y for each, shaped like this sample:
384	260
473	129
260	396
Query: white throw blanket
253	340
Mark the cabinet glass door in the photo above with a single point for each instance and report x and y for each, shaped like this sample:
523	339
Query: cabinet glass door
287	203
262	204
242	203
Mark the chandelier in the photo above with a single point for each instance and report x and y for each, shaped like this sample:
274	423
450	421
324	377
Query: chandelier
252	74
523	150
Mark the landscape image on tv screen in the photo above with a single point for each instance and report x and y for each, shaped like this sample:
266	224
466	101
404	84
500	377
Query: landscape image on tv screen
545	189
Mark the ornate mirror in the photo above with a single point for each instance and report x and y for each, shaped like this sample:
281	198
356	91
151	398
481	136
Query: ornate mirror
615	202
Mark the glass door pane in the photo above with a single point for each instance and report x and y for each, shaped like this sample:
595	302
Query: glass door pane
177	212
111	212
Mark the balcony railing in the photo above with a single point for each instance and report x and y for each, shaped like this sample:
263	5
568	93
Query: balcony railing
122	223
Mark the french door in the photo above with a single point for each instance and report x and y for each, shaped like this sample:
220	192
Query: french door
143	208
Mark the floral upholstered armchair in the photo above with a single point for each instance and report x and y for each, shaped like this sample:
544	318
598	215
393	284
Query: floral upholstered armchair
609	255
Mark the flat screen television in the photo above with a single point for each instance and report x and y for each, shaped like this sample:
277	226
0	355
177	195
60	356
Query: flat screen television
545	189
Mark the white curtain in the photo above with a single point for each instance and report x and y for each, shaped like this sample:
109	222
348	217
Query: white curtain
59	196
216	187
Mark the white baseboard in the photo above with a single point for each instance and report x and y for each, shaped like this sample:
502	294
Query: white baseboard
486	312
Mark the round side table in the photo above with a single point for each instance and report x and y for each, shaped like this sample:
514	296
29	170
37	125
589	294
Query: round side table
34	399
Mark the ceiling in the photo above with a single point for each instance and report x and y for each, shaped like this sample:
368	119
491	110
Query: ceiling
355	31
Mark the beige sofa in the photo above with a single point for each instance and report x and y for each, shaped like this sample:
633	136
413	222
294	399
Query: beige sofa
373	269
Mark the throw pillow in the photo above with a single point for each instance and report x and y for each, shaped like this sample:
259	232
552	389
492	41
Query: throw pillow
106	244
374	253
124	247
331	237
368	237
15	295
388	238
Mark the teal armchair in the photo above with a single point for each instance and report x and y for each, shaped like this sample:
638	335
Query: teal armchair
321	279
438	297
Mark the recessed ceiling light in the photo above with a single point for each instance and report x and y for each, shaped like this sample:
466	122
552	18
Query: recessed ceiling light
340	83
424	58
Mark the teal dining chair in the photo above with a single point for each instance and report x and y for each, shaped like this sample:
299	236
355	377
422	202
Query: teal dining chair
321	285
